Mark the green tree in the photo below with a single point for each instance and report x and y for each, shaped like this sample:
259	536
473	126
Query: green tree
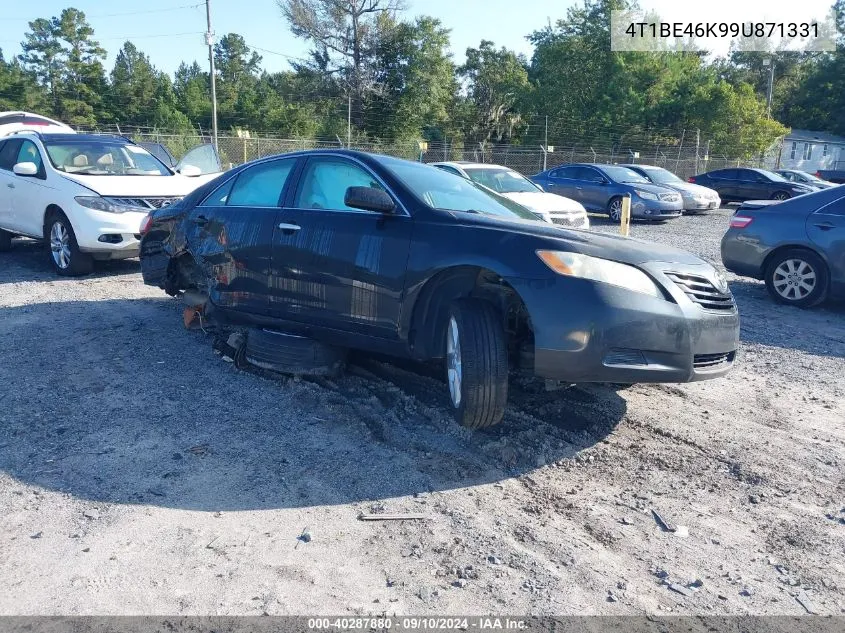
193	94
43	56
497	93
18	90
134	84
237	75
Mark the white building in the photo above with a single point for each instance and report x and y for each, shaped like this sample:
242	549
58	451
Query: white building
809	151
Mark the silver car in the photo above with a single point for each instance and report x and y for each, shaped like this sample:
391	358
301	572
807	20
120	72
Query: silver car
695	197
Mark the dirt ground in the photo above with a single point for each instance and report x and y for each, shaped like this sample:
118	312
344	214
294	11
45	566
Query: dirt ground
140	473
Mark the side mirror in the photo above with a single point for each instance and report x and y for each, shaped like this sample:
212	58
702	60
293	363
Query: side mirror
25	169
190	171
368	199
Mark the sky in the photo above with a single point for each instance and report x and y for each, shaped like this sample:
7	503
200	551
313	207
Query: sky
170	31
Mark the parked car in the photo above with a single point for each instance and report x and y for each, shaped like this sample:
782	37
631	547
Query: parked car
550	207
797	246
86	195
802	177
602	187
397	257
695	197
17	121
742	183
836	176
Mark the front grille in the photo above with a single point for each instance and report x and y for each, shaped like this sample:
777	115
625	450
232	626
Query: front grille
147	203
712	361
700	290
573	221
669	197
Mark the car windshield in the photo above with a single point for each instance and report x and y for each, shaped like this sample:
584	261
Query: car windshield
623	174
660	175
501	180
449	192
103	158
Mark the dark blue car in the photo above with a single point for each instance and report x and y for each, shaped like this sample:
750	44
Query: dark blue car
602	187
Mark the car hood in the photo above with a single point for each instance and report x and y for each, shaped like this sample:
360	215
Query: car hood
542	201
140	186
628	250
689	187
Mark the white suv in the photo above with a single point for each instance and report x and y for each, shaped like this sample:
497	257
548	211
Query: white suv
87	194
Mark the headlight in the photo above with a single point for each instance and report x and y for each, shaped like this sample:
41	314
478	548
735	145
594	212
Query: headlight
98	203
645	195
602	270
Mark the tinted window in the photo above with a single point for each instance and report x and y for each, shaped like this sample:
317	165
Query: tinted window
589	174
219	196
28	153
325	181
8	154
565	172
724	174
259	186
623	174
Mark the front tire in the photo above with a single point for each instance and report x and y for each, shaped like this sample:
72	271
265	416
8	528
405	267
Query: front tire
65	256
614	209
797	277
476	363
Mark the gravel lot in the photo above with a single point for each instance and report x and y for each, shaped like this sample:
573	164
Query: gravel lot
142	474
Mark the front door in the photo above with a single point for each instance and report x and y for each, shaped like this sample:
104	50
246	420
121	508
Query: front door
595	194
826	228
231	235
8	155
335	266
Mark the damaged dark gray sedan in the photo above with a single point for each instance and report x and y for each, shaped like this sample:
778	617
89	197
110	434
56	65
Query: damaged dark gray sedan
347	250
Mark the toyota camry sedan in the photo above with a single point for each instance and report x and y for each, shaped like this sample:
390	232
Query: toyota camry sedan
366	252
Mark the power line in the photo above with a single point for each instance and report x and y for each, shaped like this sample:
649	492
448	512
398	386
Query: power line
114	15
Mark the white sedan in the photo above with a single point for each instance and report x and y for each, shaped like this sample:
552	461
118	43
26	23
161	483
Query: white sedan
506	182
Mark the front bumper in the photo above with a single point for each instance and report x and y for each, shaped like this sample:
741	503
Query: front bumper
107	235
591	332
655	209
691	204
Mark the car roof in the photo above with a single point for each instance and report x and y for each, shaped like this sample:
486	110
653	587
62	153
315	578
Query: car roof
465	164
84	137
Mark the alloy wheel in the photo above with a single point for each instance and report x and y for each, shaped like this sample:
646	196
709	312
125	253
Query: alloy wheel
794	279
781	196
60	245
454	374
615	210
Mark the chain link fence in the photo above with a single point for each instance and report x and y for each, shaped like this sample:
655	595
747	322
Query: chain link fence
685	161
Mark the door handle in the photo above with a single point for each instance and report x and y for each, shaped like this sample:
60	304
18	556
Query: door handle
825	226
10	185
200	220
289	228
579	188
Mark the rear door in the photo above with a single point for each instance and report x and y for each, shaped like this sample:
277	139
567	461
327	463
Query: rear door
335	266
563	181
826	228
31	194
230	234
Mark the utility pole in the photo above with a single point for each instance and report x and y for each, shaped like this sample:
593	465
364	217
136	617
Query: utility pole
697	145
348	121
770	62
546	143
209	39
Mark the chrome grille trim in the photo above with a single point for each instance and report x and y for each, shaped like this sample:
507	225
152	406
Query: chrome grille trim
701	291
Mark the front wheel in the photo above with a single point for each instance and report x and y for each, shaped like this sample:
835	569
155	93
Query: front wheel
476	363
781	196
797	277
614	209
65	256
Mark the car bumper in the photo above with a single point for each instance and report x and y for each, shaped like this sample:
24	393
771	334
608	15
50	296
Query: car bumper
655	209
591	332
743	254
107	235
691	204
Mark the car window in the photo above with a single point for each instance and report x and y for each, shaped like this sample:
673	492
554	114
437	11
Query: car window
102	157
724	174
219	196
837	207
565	172
589	174
28	153
258	186
789	175
623	174
325	180
9	153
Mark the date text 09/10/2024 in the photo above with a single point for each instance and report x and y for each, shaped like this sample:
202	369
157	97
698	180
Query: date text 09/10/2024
422	623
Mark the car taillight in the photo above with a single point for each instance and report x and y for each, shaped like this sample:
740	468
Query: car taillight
146	224
740	221
691	179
